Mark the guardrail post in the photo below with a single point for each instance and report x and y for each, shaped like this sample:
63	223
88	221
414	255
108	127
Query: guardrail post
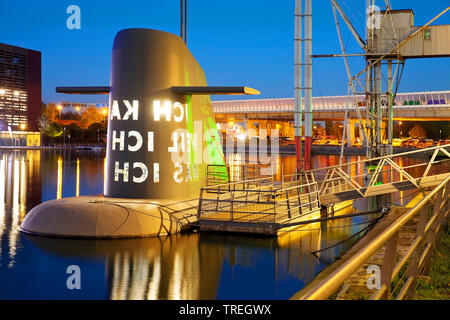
232	204
388	263
299	202
199	209
431	239
287	203
413	267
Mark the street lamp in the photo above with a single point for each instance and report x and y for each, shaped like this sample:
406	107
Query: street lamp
59	107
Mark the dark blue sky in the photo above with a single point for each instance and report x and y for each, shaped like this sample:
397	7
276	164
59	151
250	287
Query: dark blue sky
237	42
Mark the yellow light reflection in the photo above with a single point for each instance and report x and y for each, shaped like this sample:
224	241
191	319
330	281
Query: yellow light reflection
104	176
2	201
59	181
13	233
23	189
77	191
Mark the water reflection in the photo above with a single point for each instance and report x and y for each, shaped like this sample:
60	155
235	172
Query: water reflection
186	266
203	265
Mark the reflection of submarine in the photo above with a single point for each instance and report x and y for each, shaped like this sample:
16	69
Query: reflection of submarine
161	135
153	268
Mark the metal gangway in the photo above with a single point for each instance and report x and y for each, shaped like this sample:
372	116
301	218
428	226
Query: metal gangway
264	206
256	205
381	175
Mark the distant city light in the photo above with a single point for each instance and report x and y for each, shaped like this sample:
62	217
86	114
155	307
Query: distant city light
2	92
16	93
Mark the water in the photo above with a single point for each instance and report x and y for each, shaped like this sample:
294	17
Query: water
187	266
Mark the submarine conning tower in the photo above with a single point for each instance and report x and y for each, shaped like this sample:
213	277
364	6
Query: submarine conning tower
161	136
155	134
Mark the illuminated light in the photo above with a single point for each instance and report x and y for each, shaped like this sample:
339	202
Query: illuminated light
59	107
23	126
177	174
139	141
144	170
77	187
105	112
120	140
150	141
131	109
15	214
16	93
77	109
400	122
153	287
157	110
178	106
218	126
23	189
59	180
2	92
156	173
2	182
118	171
104	176
241	136
231	123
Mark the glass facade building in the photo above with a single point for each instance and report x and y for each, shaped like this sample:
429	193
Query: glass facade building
20	88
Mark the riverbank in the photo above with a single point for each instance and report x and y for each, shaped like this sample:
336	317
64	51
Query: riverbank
332	150
433	286
56	147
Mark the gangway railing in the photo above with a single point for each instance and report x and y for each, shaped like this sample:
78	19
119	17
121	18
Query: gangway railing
378	175
257	200
399	274
235	171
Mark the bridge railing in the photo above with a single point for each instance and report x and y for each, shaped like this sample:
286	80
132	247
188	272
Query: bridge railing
257	200
398	272
233	172
365	176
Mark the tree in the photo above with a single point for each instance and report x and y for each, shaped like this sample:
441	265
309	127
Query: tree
54	130
319	131
89	117
417	132
51	112
43	123
337	129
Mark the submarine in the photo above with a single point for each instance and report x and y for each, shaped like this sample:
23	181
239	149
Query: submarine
161	136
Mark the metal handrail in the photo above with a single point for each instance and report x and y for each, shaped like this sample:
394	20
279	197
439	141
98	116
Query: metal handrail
380	158
332	282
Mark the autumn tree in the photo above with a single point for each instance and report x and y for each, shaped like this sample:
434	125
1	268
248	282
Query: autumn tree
417	132
319	131
90	116
337	129
51	112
